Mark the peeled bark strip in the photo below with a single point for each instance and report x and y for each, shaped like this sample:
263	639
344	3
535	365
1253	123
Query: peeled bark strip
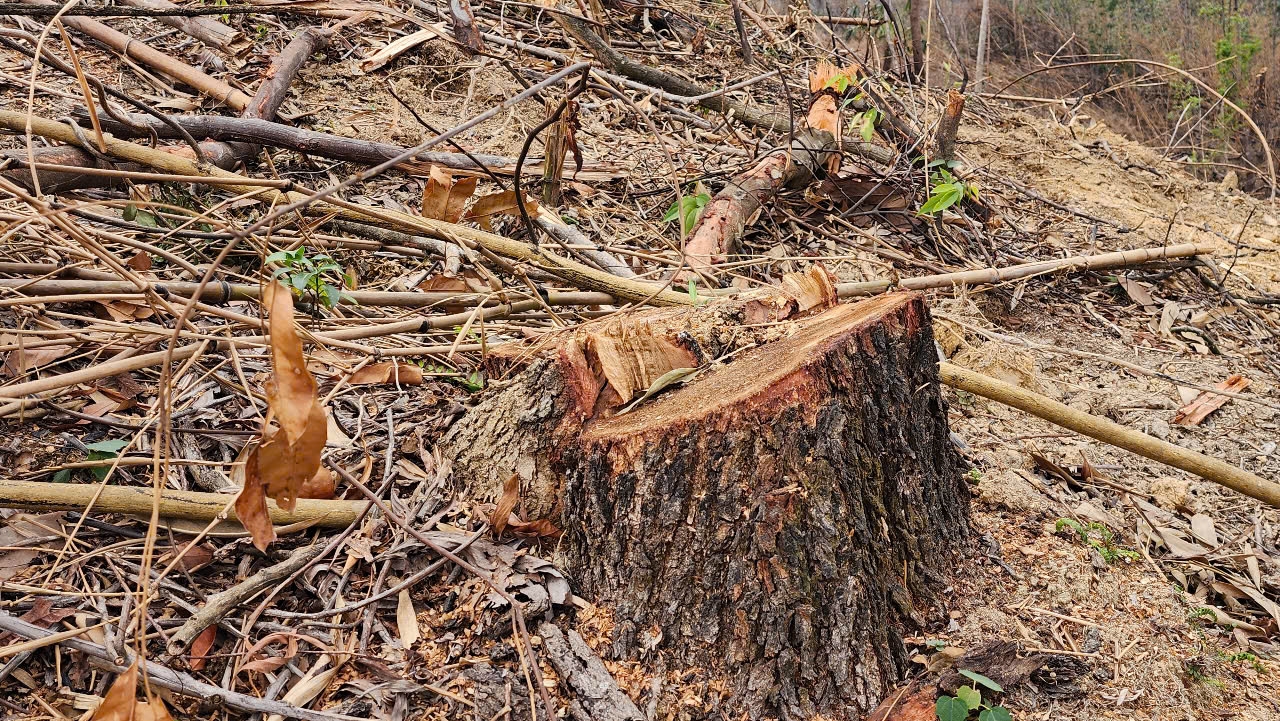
948	126
725	217
203	28
779	521
465	30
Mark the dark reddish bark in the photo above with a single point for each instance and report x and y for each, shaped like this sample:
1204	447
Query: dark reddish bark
283	69
780	521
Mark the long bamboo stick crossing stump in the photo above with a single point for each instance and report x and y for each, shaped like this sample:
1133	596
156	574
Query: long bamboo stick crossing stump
781	520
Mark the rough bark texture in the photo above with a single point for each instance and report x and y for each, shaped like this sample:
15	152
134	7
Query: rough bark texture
726	215
778	521
283	69
206	29
948	126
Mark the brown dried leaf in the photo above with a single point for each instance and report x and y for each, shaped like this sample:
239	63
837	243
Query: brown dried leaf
192	557
200	648
440	281
405	374
504	203
140	261
288	459
444	198
121	698
407	619
251	504
321	485
506	505
20	361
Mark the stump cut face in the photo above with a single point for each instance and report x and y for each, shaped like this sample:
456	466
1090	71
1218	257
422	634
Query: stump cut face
779	521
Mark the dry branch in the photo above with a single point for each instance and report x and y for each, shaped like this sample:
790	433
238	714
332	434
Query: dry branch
336	147
1107	431
175	681
573	272
283	69
202	28
182	505
725	217
155	59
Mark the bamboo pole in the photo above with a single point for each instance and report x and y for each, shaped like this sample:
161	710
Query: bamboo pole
183	505
1107	431
154	59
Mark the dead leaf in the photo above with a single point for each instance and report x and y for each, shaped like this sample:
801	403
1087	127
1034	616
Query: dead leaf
124	311
440	281
20	361
289	455
504	203
407	619
405	374
1202	528
251	503
444	198
193	557
200	648
321	485
506	505
1194	413
1136	291
140	261
121	699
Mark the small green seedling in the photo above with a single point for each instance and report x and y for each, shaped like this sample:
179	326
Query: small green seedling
317	275
945	189
865	122
968	700
688	208
1100	538
100	451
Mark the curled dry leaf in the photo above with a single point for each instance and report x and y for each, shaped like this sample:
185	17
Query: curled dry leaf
503	203
444	198
199	654
504	518
121	704
406	619
405	374
289	455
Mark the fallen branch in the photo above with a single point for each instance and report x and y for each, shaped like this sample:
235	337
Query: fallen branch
326	145
154	59
725	217
283	69
222	603
183	505
989	276
202	28
175	681
573	272
582	671
1107	431
465	30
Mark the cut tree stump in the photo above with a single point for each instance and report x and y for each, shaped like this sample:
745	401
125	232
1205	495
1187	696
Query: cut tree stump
779	521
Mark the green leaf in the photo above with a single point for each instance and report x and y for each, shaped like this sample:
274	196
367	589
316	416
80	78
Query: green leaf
280	256
130	212
688	209
998	713
944	196
673	212
301	280
146	219
980	679
950	708
62	476
111	446
868	129
972	697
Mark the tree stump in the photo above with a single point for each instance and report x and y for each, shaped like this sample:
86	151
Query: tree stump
778	521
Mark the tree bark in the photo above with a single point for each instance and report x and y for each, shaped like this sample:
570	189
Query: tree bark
202	28
778	521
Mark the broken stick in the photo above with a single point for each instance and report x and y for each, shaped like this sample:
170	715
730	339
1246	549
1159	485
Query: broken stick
1107	431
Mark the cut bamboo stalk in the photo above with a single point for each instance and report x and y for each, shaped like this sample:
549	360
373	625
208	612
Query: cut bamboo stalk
155	59
184	505
1107	431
